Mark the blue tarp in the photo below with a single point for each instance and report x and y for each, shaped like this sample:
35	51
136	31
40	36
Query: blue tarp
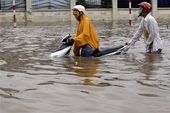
51	4
7	4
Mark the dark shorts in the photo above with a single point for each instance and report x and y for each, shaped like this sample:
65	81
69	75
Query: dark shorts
86	51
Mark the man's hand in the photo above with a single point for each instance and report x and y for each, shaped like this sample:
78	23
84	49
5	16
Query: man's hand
70	41
127	43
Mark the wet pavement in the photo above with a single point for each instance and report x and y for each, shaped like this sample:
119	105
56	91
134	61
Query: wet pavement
32	82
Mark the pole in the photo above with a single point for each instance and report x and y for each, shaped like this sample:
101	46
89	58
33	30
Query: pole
14	15
130	12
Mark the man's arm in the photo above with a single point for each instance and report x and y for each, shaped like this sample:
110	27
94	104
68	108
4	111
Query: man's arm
138	34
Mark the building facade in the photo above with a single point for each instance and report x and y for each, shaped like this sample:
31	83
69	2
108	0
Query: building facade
60	10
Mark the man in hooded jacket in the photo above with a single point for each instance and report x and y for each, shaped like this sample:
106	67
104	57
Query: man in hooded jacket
86	42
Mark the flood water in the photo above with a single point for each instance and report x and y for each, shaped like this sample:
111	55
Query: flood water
32	82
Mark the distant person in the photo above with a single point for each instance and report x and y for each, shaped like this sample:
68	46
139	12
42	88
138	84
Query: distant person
86	42
149	27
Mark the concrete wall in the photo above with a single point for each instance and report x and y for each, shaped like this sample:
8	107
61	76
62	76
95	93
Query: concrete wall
8	17
163	13
66	15
50	16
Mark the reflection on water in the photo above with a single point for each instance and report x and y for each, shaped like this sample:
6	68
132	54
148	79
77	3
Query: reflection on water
85	67
9	93
32	82
149	64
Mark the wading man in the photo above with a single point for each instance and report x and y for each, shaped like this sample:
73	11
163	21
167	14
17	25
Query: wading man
149	27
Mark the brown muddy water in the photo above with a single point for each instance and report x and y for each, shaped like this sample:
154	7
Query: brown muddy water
32	82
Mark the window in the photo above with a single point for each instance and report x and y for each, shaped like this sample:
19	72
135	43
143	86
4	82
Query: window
163	3
7	4
95	3
125	3
50	4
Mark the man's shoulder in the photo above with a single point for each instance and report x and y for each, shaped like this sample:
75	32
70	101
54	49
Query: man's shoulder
149	17
86	19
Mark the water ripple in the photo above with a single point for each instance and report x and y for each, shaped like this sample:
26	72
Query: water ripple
30	81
